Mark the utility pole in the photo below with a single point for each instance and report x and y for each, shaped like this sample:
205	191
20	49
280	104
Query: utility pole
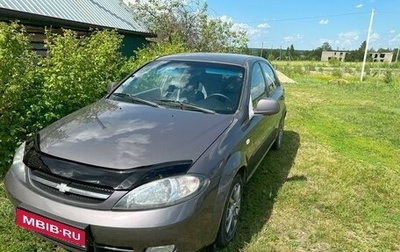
366	45
262	47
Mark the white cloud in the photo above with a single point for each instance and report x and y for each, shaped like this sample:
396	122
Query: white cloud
293	38
349	35
323	21
374	36
323	40
240	26
348	39
358	6
392	31
263	26
344	40
251	32
394	40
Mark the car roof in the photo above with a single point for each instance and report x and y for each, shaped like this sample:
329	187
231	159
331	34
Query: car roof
226	58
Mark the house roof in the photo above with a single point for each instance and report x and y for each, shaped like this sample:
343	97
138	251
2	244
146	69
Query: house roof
114	14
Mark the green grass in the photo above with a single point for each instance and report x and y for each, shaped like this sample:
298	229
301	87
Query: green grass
334	185
333	70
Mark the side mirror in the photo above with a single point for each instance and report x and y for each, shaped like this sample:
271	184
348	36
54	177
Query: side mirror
267	106
111	86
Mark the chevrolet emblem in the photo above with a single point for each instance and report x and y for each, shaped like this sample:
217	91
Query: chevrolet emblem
62	187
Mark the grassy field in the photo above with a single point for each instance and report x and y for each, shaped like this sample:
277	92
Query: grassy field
350	71
334	185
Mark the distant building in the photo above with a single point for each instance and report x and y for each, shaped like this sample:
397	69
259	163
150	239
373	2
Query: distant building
382	56
80	15
329	55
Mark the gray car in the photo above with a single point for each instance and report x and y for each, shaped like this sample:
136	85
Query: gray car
159	164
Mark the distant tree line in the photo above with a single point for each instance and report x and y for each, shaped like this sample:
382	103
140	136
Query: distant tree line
290	53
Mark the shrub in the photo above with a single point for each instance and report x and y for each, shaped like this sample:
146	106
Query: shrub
388	78
76	70
18	88
37	91
335	62
337	72
311	67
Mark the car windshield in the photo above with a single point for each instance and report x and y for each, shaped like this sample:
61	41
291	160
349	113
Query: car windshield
196	86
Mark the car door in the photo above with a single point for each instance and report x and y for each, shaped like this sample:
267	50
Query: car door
274	91
261	128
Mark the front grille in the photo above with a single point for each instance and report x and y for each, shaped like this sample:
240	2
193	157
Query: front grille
68	189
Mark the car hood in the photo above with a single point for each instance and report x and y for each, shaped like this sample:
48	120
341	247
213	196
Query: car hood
123	136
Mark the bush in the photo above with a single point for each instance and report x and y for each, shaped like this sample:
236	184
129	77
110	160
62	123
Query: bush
18	88
388	78
37	91
77	70
337	73
335	62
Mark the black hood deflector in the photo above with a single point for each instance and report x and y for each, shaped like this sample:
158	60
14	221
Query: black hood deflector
103	177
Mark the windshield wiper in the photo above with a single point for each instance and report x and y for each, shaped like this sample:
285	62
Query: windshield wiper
135	99
184	105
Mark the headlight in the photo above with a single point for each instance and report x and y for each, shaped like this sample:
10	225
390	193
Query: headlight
18	166
162	192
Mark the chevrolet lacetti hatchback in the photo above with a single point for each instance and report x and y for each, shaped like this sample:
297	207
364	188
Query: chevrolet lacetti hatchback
159	164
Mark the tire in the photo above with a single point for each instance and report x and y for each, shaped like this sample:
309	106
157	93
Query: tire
278	140
230	217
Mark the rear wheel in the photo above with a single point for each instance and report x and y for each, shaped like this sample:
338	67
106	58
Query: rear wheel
230	217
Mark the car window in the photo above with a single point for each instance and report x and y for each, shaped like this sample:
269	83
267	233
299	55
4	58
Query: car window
257	85
208	85
270	79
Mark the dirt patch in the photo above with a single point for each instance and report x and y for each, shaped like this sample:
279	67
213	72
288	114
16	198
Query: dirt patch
283	78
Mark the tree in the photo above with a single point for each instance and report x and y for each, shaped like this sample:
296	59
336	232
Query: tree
292	53
326	47
316	53
357	55
287	55
381	50
178	21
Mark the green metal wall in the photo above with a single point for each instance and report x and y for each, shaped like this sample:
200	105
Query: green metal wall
131	42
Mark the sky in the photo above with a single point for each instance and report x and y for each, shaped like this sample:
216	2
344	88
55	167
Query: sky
307	24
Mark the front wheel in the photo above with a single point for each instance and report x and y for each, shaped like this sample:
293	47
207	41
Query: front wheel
230	217
278	140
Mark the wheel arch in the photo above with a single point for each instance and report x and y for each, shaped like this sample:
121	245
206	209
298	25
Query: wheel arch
235	164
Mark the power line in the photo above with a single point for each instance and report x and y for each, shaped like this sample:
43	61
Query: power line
315	17
311	17
391	12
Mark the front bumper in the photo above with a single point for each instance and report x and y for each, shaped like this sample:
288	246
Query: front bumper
188	226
